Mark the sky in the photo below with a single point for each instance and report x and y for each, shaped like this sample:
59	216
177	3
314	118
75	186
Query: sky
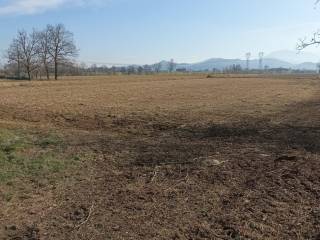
147	31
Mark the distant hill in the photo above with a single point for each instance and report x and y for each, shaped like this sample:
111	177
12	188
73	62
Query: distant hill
294	57
222	63
306	66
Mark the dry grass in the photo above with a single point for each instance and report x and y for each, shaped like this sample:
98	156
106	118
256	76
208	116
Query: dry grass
167	157
190	98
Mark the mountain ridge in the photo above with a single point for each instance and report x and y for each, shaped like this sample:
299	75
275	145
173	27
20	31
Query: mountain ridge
223	63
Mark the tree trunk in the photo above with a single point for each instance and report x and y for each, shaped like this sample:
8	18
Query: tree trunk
56	69
47	72
19	74
29	74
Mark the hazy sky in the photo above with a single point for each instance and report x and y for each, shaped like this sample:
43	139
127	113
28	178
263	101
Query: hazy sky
146	31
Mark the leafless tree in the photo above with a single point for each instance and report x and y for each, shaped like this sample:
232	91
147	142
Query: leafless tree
43	44
157	67
140	70
62	46
36	52
23	52
14	56
314	40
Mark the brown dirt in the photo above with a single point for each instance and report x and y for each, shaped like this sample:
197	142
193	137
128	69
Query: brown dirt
172	157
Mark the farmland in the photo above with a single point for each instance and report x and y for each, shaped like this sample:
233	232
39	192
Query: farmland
160	157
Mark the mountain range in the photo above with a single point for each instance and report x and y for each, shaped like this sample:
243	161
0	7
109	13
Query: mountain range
221	63
279	59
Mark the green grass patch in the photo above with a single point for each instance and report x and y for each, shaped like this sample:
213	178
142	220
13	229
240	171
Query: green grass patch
32	158
49	140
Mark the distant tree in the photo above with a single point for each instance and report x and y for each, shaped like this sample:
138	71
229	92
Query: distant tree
318	67
83	65
113	70
123	70
215	70
94	68
236	68
140	70
147	68
62	46
131	69
157	67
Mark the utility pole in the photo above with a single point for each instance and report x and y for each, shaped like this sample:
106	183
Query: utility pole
171	65
261	54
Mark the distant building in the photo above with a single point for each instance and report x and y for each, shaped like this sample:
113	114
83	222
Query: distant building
181	70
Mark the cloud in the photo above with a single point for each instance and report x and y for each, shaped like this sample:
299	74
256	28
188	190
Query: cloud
25	7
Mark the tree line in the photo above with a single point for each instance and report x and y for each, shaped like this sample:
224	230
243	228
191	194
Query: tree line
94	69
41	52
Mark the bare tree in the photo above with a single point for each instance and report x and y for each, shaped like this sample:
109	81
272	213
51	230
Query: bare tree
62	46
35	52
314	40
14	56
43	44
23	52
140	70
157	67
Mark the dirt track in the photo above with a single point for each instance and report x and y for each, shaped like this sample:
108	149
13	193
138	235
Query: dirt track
172	157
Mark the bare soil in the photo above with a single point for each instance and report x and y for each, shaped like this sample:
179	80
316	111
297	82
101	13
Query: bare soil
165	157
